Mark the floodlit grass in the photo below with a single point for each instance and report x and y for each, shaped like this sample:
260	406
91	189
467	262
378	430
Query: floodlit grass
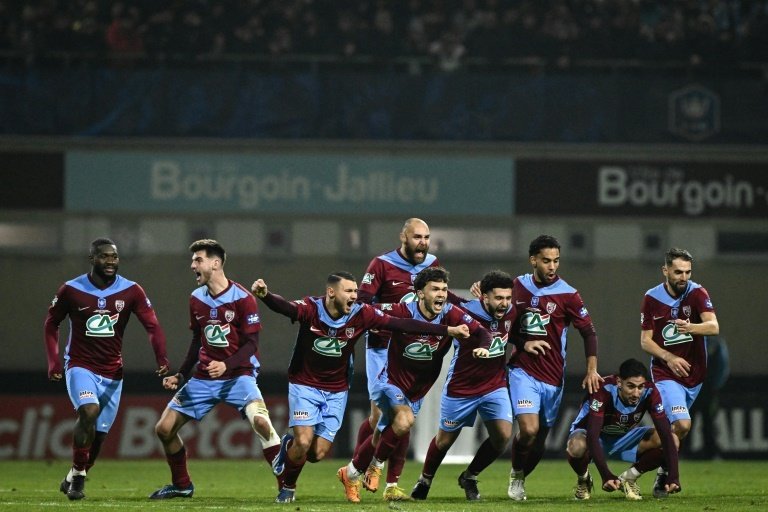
239	485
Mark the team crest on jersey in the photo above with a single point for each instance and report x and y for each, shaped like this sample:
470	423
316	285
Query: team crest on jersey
524	404
624	418
102	303
214	313
101	326
494	325
673	313
687	310
551	307
534	301
119	305
332	332
596	404
229	315
379	313
368	278
507	325
349	332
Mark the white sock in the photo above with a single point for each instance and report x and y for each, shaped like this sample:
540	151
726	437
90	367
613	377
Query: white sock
390	484
631	474
77	473
426	480
68	478
352	472
377	463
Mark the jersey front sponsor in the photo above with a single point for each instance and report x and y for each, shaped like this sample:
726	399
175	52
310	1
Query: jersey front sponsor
618	417
545	313
469	376
324	351
222	322
389	279
98	318
414	361
659	312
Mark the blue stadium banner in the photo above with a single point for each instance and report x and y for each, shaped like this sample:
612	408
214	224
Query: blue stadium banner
313	183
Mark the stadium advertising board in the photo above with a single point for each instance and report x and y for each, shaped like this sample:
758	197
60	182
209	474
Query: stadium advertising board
286	183
635	188
40	427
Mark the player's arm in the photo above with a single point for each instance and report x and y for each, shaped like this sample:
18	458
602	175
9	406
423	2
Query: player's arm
582	321
594	426
456	300
669	443
241	357
411	325
678	365
148	318
57	311
484	340
273	301
185	369
707	327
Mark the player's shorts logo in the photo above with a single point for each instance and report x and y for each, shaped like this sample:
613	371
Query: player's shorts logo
679	409
524	404
85	394
450	423
301	415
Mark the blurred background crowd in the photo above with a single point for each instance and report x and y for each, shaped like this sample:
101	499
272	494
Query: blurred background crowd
715	33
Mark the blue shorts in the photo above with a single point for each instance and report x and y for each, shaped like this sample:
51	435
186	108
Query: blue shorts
198	396
375	361
531	396
86	387
387	396
620	447
456	413
314	407
677	399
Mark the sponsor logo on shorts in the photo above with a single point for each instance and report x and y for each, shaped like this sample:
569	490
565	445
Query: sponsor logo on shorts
399	397
86	394
524	404
301	415
679	409
450	423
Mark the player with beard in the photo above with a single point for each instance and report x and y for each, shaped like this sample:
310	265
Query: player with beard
476	386
609	421
413	365
677	316
389	280
321	366
223	359
99	305
546	305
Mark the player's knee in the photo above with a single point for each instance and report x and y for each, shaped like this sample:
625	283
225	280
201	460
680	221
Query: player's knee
164	430
258	416
88	413
402	424
681	428
576	447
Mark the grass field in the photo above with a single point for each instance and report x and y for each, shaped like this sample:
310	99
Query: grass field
239	485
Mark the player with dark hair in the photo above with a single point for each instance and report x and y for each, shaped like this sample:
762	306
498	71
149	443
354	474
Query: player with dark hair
546	305
99	305
677	316
476	386
223	360
321	366
413	365
609	421
389	280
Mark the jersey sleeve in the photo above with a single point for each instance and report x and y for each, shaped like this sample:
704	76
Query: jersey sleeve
146	314
646	314
57	311
372	281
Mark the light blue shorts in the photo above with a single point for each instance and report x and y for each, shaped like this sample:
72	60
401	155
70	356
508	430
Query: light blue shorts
456	413
375	361
677	399
198	396
86	387
387	396
531	396
314	407
620	447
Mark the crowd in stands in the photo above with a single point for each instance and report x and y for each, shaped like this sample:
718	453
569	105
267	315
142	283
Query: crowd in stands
710	32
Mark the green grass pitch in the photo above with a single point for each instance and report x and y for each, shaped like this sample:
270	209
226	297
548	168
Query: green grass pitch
248	485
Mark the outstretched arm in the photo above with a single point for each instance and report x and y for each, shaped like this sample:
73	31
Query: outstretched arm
274	302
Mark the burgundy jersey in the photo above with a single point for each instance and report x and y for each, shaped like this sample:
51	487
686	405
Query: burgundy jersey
414	361
618	417
660	309
389	279
325	348
221	323
469	376
545	313
97	319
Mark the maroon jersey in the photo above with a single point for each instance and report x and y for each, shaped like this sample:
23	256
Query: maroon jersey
388	280
469	376
324	352
659	311
618	418
414	361
97	320
221	323
546	312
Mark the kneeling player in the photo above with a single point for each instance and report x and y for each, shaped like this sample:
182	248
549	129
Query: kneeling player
609	422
